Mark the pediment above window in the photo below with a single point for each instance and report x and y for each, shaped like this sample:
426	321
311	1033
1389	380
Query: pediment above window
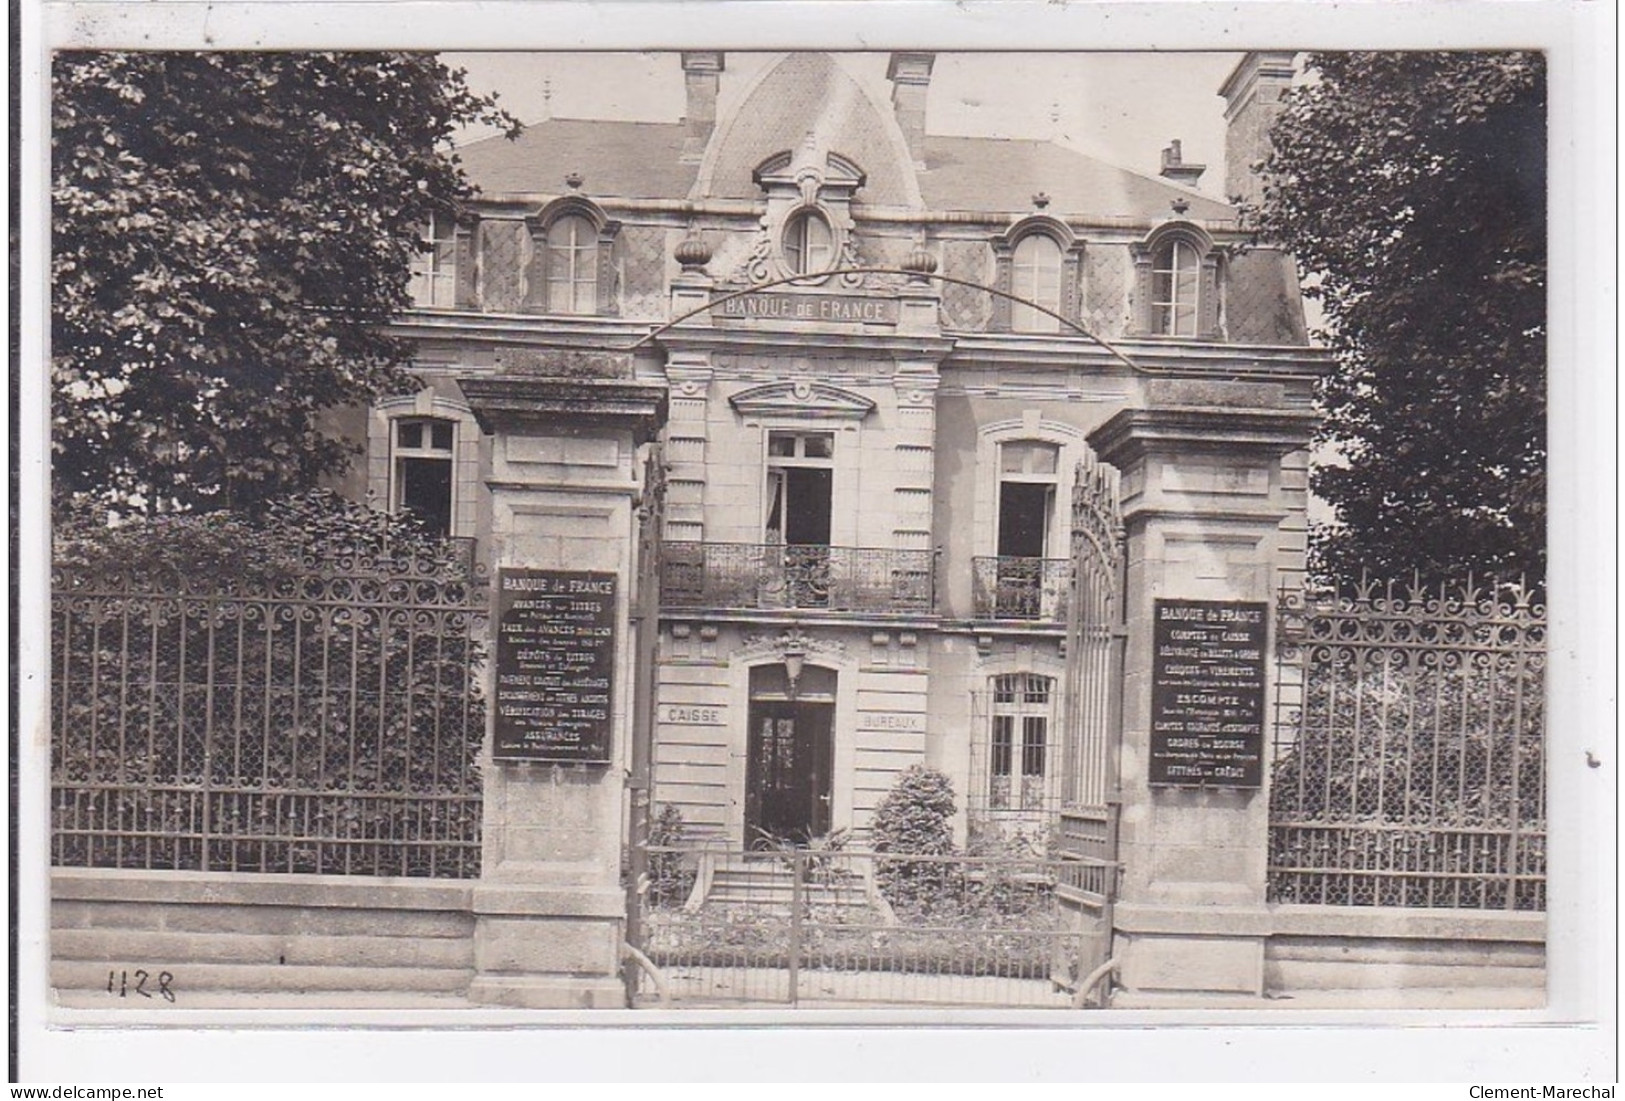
817	400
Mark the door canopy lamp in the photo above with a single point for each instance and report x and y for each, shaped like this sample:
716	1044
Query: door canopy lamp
794	658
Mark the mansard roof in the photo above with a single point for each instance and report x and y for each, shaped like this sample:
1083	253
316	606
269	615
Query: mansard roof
1000	174
807	96
624	160
810	93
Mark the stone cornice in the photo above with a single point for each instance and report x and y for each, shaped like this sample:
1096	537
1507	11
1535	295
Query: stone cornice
597	333
800	342
1185	429
1170	358
508	402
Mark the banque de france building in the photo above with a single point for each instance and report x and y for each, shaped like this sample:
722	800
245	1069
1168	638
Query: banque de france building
875	342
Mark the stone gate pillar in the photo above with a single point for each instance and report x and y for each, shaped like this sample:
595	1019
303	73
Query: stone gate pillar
564	482
1203	500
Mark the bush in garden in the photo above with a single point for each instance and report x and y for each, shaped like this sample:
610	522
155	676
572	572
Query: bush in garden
914	819
669	881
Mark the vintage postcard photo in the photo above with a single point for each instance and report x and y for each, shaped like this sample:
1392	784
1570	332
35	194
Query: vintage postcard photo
760	534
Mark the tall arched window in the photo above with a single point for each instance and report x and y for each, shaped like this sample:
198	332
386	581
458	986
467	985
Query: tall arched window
1039	261
809	243
1035	275
572	265
1175	288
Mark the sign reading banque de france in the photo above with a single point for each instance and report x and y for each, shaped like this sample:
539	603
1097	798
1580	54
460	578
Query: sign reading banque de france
1207	693
555	658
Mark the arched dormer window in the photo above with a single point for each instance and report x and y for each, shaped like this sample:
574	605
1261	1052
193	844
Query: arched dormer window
1039	261
434	267
572	269
1176	283
1175	288
807	228
572	266
1035	275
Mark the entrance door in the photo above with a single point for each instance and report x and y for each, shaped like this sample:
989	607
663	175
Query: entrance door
790	755
787	790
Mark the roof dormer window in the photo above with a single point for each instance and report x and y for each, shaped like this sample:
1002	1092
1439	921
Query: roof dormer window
807	232
808	242
1038	265
1035	277
572	266
1176	283
1175	288
572	260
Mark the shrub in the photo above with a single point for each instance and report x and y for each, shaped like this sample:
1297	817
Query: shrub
914	819
669	880
916	815
228	551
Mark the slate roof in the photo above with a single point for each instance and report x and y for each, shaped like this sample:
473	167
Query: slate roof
625	160
978	174
807	95
994	175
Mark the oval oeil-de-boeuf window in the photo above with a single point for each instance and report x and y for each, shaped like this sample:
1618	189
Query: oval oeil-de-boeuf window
809	243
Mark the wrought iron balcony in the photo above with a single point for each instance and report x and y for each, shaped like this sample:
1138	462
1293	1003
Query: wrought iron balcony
764	575
1022	588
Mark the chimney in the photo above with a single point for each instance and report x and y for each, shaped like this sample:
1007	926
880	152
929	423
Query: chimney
702	73
910	75
1174	167
1252	94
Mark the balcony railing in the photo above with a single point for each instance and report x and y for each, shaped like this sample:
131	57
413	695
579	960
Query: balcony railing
1022	588
762	575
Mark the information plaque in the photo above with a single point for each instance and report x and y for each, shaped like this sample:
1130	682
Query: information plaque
555	654
1207	693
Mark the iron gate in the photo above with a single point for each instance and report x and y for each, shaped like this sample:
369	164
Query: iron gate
799	926
1095	637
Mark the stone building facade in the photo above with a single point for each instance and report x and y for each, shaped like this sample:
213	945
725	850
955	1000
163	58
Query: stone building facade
880	388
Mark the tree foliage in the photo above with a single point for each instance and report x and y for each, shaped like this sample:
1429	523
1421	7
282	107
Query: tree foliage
1412	186
230	231
290	539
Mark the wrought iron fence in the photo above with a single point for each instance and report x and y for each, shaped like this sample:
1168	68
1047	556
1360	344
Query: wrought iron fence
776	575
326	722
1409	762
1021	588
804	926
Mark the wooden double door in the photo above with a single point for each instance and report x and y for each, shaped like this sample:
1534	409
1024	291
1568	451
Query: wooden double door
788	781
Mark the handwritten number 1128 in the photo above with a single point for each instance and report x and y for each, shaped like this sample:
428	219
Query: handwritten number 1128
118	982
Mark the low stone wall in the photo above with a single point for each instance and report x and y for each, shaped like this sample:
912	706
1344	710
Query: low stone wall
1475	956
231	939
